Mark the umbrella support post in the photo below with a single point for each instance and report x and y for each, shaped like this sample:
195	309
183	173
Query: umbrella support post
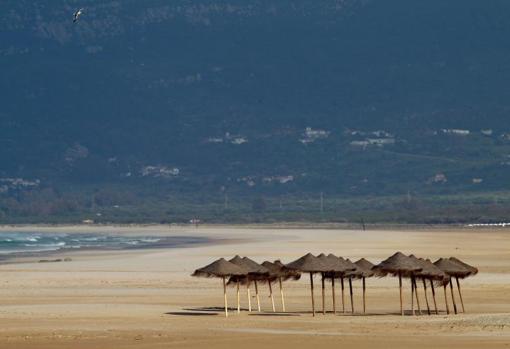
281	294
257	295
333	293
446	300
271	295
453	297
311	290
238	299
416	293
352	298
425	292
249	296
412	296
323	295
364	291
343	294
460	294
400	287
225	296
434	295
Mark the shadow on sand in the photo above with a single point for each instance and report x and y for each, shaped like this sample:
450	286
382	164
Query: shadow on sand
211	311
190	313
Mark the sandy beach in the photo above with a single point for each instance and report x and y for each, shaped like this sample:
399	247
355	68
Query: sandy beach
147	299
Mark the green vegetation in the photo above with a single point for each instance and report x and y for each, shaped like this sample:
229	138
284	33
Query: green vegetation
110	206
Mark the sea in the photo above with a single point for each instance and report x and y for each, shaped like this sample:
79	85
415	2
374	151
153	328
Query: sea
34	242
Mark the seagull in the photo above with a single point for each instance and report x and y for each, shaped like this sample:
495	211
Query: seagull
77	15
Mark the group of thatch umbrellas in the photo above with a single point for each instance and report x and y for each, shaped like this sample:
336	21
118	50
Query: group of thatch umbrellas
244	271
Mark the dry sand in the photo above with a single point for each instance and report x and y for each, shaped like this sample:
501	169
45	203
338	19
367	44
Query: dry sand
146	298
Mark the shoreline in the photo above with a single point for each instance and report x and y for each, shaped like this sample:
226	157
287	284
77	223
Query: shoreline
279	225
147	298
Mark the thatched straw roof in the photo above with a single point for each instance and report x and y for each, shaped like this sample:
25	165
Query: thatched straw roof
249	266
473	270
335	264
259	269
429	270
308	263
219	268
365	268
274	270
356	272
278	270
452	268
398	264
344	266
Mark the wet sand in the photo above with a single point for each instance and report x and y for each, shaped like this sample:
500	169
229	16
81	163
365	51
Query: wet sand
146	298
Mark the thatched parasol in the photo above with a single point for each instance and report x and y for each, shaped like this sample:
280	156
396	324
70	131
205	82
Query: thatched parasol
473	271
452	269
222	269
280	272
399	265
365	270
308	264
277	271
338	268
351	271
429	272
274	273
334	266
253	272
356	273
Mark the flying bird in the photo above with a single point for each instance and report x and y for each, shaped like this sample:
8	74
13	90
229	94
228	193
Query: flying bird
77	15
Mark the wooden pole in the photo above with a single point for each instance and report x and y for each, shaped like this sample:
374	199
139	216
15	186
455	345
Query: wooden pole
281	294
352	298
249	296
446	300
453	297
460	294
417	298
400	287
238	298
257	295
425	292
271	295
364	288
333	293
323	295
225	296
412	296
343	294
434	295
311	290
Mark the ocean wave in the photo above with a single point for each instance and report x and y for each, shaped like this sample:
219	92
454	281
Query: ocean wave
150	240
12	242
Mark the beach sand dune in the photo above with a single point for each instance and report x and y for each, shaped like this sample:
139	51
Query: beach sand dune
147	299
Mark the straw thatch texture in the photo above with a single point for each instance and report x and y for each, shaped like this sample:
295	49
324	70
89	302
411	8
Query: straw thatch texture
277	270
429	270
251	268
252	271
355	272
452	268
365	268
472	269
308	263
219	268
398	264
334	264
257	268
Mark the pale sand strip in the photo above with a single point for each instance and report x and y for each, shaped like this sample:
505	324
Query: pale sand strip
146	298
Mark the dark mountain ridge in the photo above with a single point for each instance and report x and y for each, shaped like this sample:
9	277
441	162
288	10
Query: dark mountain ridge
351	98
